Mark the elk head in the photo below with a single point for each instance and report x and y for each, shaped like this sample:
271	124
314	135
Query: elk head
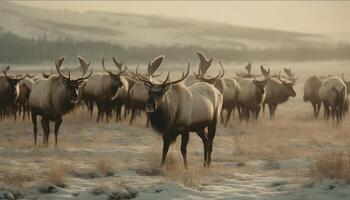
115	82
156	91
213	79
12	82
260	86
288	85
71	85
347	83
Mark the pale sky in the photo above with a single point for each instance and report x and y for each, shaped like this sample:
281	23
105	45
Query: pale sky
324	17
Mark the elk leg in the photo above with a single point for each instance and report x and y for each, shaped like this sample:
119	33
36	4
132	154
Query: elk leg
147	123
57	127
263	107
99	112
118	113
35	128
204	136
315	109
211	135
222	116
318	109
46	129
228	116
23	111
240	113
184	141
257	111
166	144
326	111
133	113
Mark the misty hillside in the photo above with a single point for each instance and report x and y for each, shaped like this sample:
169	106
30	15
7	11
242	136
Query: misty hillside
141	30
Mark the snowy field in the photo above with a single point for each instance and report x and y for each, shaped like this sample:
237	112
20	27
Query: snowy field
256	160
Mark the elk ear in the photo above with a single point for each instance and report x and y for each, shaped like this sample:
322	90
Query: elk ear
166	88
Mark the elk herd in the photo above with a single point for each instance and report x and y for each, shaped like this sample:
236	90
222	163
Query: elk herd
194	102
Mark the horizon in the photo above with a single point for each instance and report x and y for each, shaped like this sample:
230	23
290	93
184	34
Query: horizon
268	15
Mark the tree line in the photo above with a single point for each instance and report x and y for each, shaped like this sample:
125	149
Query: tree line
18	50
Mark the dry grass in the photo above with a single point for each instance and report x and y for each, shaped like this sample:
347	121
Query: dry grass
334	165
16	179
57	174
105	167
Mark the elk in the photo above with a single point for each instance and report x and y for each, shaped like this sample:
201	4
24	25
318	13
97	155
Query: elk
278	90
228	87
102	88
251	96
311	93
9	91
25	87
333	96
122	93
52	98
175	109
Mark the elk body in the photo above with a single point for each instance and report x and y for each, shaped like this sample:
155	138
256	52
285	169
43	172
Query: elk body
251	96
175	109
138	97
228	87
9	92
102	89
278	90
25	87
51	99
333	96
311	93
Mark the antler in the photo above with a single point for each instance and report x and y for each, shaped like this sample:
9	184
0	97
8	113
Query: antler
183	77
7	68
84	78
204	63
84	64
154	65
142	78
289	73
249	68
117	63
104	67
265	72
283	81
222	68
58	64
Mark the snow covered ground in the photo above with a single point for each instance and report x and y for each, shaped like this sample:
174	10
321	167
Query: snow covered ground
257	160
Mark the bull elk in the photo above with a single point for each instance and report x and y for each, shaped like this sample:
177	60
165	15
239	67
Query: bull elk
278	90
52	98
333	92
175	109
9	92
102	88
311	93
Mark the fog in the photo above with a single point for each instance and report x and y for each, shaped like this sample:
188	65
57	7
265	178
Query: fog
320	17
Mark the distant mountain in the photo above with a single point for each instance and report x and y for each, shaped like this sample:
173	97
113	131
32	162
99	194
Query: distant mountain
143	30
